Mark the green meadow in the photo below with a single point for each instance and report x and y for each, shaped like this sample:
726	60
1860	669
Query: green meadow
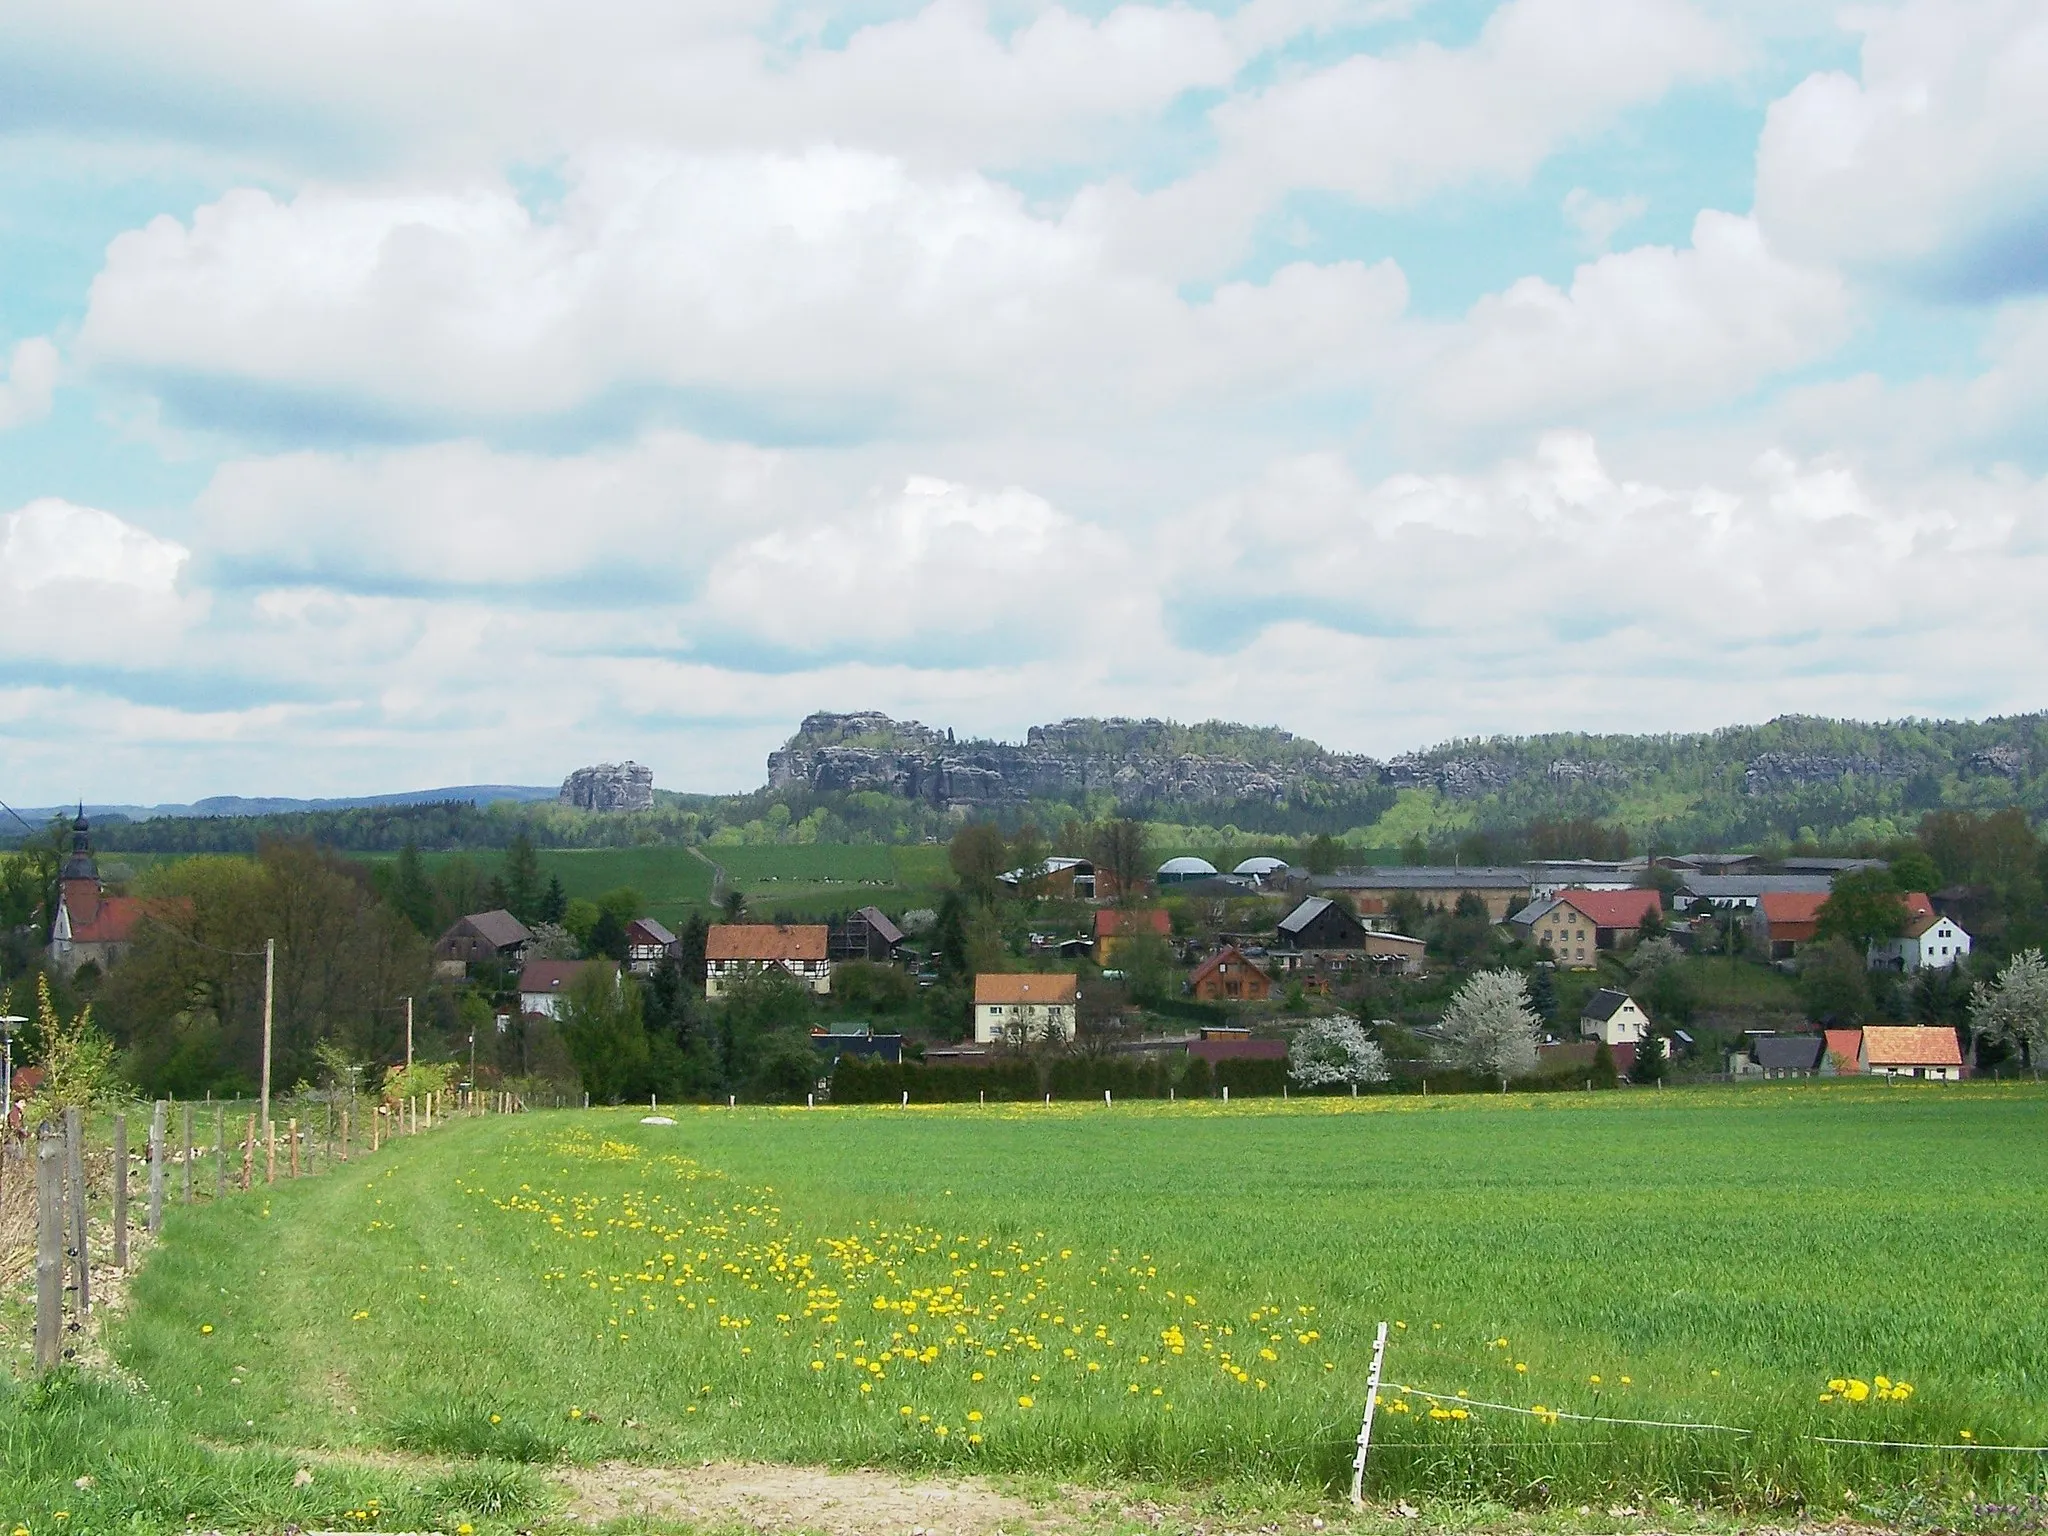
1178	1294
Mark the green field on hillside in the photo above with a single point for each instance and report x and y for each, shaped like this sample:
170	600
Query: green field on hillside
1185	1293
822	878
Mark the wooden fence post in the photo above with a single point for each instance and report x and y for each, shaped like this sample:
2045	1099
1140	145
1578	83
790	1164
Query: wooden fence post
74	1170
156	1169
249	1155
49	1250
430	1111
220	1152
292	1132
121	1192
344	1135
270	1153
376	1125
185	1125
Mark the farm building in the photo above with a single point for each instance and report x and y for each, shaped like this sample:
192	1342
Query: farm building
1186	870
1844	1049
1499	888
1115	925
1020	1007
865	935
1612	1015
544	983
1788	1055
1911	1051
1057	876
1746	890
1786	919
1576	925
1217	1045
1929	942
1548	877
1263	868
734	949
1228	977
648	943
494	935
1320	923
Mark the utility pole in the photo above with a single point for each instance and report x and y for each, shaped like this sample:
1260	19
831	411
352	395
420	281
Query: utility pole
408	1034
269	989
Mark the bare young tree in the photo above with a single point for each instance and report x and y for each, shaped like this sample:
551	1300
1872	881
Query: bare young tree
1489	1028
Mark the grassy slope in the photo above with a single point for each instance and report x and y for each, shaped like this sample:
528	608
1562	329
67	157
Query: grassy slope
1730	1250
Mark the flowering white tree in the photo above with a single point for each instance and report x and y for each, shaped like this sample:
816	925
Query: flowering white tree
2015	1007
1330	1053
1489	1027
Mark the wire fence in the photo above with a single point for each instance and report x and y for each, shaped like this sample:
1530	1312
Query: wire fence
76	1195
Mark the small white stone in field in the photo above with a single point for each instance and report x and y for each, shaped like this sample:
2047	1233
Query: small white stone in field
656	1120
82	1482
1316	1524
302	1477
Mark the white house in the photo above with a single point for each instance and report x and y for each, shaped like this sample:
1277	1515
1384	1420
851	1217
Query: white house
1613	1016
1022	1007
543	984
1930	942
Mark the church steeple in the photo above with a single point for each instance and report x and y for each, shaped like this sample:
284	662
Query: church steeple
81	865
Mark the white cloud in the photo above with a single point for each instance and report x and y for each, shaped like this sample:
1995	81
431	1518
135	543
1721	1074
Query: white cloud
948	563
1932	164
1542	74
459	514
51	543
31	382
84	586
1647	329
808	287
1598	219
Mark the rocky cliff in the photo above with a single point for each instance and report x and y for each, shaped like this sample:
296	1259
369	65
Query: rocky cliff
1141	762
626	786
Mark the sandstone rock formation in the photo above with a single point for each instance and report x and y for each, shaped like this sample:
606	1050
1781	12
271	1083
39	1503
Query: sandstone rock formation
626	786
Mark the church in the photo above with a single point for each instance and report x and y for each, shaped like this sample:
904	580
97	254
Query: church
91	927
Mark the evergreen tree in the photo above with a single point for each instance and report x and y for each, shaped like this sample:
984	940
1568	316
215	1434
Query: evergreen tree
690	947
553	902
522	879
1543	994
607	937
949	936
410	891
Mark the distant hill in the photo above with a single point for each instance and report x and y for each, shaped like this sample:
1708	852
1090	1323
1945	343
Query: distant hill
277	805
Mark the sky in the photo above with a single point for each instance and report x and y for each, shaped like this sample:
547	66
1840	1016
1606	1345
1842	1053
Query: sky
403	394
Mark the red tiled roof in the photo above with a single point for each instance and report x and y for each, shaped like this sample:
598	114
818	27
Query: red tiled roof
1119	923
1614	909
766	941
100	919
1025	987
1845	1043
1791	915
1889	1045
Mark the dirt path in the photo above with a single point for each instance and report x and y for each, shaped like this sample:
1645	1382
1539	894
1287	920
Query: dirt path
788	1499
717	874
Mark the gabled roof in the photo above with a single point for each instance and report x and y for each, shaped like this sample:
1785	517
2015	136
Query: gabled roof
1845	1043
1311	908
766	941
1225	956
1007	987
1888	1045
1614	909
879	924
1788	1053
112	919
1123	922
497	928
539	976
656	934
1791	907
1605	1004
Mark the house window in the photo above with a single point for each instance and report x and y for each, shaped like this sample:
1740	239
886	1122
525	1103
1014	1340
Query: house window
995	1008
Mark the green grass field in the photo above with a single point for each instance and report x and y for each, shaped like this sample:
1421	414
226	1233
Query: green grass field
1176	1293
